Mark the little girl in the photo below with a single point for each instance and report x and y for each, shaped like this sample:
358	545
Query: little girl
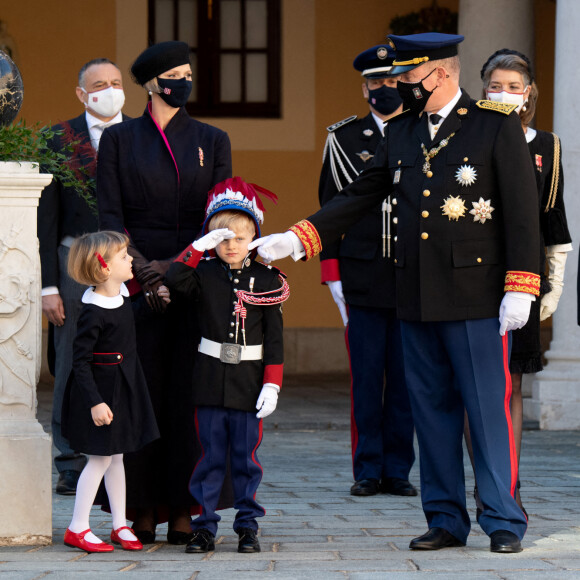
106	410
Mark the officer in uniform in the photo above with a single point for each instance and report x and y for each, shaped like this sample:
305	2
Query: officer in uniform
466	252
359	271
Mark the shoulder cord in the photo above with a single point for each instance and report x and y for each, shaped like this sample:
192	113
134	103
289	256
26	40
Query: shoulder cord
259	299
336	152
555	175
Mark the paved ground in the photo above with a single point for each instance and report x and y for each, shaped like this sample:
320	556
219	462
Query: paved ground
314	529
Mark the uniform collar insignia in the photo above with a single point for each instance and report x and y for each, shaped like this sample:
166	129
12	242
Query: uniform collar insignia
365	155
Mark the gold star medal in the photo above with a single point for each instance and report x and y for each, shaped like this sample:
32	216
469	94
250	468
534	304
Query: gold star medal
466	175
454	208
481	210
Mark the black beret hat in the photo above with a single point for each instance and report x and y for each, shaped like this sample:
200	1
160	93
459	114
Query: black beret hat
375	62
158	59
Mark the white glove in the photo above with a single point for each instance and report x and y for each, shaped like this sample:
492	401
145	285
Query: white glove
556	264
267	400
211	240
278	246
335	287
514	311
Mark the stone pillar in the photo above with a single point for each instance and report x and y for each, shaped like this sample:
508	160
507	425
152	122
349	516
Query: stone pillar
487	27
25	449
555	399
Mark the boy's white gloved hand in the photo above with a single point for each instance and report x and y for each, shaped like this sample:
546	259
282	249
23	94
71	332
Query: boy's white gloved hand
211	240
278	246
335	287
514	311
556	265
267	400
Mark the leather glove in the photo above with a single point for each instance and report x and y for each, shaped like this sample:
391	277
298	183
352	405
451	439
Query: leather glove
267	400
278	246
214	238
556	266
149	277
514	311
335	287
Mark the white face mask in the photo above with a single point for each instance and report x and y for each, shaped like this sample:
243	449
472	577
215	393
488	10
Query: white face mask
509	98
107	102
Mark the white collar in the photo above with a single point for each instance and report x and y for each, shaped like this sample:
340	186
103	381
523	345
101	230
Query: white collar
109	302
92	120
380	123
449	106
530	135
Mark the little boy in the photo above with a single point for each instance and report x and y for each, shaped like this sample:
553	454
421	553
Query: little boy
239	365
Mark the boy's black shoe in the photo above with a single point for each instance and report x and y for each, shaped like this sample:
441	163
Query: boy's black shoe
201	542
248	543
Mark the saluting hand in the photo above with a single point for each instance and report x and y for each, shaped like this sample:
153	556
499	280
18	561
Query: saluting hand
214	238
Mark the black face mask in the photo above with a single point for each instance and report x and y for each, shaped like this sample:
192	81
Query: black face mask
175	92
414	95
385	99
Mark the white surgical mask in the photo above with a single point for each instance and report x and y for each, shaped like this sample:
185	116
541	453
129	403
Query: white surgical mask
107	102
508	98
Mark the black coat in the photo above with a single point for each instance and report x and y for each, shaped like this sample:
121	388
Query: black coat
368	277
159	199
458	271
212	288
106	369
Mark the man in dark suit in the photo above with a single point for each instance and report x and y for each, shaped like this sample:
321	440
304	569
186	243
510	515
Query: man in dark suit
359	272
63	215
466	252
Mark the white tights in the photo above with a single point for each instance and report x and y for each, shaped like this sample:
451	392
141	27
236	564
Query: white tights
113	470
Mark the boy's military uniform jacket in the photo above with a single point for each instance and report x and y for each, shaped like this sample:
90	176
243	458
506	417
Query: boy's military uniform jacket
467	225
213	286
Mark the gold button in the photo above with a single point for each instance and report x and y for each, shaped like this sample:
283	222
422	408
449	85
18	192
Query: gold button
426	193
395	220
424	235
396	261
394	202
465	159
118	356
399	162
429	174
479	260
425	214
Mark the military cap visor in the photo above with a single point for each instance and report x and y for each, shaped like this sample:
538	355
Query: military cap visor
375	62
414	50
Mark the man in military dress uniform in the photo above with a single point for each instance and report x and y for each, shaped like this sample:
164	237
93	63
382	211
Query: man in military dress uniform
359	271
467	234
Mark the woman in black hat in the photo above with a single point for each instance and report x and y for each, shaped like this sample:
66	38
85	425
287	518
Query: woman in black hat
154	174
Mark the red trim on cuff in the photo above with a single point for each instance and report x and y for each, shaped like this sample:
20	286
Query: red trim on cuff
190	257
273	374
329	270
522	282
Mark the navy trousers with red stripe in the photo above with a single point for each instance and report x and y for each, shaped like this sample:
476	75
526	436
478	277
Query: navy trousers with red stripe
221	430
381	419
452	366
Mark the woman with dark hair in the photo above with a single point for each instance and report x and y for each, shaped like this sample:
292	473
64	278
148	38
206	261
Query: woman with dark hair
508	78
154	174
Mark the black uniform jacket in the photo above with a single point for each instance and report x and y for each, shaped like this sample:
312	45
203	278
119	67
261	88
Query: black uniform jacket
449	269
368	277
61	210
106	369
211	285
155	193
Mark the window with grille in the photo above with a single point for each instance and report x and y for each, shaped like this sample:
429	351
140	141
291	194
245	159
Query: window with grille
235	53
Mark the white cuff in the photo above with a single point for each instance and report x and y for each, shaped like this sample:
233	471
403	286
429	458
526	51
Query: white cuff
556	248
49	291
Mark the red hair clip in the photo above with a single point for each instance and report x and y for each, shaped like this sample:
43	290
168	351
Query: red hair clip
100	258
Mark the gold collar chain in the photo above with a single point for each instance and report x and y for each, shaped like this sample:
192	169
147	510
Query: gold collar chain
430	154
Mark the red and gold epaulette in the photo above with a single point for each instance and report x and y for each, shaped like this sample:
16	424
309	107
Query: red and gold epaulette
309	237
522	282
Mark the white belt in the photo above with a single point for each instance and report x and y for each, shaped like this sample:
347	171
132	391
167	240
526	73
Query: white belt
67	241
225	352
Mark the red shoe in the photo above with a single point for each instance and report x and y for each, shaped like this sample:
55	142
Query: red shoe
78	541
125	544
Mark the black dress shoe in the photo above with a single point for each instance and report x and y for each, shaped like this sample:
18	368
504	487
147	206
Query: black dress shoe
202	541
145	536
435	539
178	538
505	542
365	487
248	543
67	482
396	486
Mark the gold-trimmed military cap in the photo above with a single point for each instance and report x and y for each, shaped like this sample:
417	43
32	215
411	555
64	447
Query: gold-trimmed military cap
413	50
